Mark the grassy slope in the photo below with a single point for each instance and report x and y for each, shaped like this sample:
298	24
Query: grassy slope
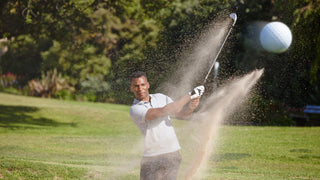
267	153
43	138
58	134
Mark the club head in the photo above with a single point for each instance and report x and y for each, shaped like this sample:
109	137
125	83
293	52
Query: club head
234	17
216	65
215	70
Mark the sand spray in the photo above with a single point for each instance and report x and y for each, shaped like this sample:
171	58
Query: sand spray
196	58
205	125
198	137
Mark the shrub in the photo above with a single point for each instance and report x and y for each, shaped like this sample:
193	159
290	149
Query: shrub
51	84
269	112
8	80
94	88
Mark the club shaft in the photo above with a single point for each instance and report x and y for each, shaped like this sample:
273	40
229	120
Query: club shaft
215	59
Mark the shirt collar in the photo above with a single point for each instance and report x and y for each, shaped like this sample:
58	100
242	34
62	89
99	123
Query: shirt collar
136	101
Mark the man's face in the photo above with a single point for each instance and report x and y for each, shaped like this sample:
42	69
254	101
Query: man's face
140	88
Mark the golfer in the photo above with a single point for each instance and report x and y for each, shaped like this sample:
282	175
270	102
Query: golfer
151	113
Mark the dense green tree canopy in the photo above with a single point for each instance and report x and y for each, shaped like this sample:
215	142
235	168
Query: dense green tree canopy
94	42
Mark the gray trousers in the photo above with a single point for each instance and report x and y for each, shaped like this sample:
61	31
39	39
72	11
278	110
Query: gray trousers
161	167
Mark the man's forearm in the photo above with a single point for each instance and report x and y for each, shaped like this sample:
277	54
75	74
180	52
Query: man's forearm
185	113
175	107
170	109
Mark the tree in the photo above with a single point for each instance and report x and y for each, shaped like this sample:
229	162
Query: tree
97	41
306	16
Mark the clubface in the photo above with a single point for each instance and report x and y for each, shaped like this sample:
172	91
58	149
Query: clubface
234	17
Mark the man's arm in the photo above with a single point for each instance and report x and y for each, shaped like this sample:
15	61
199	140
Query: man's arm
187	111
169	109
175	107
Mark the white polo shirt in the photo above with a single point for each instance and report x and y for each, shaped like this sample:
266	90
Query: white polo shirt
159	135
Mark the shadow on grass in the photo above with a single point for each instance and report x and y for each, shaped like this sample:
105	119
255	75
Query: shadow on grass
229	156
301	150
18	117
306	153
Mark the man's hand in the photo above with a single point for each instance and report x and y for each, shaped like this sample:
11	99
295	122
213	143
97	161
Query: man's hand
197	92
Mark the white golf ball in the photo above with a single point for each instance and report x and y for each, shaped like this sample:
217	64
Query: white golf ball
275	37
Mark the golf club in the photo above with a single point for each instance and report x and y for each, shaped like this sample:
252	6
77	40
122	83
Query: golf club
215	70
234	17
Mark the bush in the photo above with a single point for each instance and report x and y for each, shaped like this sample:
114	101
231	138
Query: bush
269	112
94	88
11	83
51	84
8	80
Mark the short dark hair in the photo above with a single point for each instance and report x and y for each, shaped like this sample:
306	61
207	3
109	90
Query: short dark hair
137	74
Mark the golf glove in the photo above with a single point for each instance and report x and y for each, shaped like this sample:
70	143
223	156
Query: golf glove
196	92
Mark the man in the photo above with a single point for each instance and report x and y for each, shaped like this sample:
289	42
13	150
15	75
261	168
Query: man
151	113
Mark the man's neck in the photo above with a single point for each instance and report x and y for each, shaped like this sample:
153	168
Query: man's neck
147	99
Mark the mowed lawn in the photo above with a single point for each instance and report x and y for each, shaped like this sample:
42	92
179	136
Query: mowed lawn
54	139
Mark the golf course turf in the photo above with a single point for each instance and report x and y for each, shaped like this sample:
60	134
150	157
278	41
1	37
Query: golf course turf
54	139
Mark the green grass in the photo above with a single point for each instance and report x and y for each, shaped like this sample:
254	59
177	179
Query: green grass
71	140
53	139
267	153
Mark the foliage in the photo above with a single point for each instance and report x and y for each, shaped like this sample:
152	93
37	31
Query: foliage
8	80
287	77
269	113
50	85
108	40
95	88
23	57
307	13
10	83
76	62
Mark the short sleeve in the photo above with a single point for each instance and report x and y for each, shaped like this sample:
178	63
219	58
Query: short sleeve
138	114
169	100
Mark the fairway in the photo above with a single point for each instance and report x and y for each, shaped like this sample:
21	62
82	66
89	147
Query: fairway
55	139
